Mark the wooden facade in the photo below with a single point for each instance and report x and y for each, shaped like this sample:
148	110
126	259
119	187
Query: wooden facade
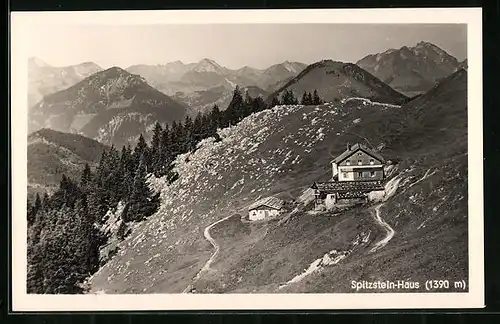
356	172
358	163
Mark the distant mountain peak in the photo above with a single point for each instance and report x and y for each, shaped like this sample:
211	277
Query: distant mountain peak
37	61
206	59
423	43
112	72
426	44
334	80
207	65
290	66
89	63
111	100
411	69
116	69
429	46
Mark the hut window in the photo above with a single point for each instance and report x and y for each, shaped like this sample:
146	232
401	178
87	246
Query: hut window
344	174
360	174
359	162
372	161
372	174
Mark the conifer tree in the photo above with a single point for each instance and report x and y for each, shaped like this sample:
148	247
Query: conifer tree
122	230
61	263
139	205
156	139
247	107
316	99
165	156
38	202
45	201
197	131
35	278
304	99
86	238
34	209
234	111
258	104
206	126
86	178
98	202
30	213
284	98
176	134
185	135
60	196
102	168
154	152
289	98
275	102
216	118
309	99
140	149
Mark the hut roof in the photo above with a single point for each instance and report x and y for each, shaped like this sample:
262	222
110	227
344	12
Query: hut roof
345	186
353	149
270	202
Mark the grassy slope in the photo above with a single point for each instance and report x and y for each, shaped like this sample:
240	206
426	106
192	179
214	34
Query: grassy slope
52	153
282	152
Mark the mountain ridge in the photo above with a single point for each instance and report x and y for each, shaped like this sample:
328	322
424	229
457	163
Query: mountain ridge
336	80
411	69
44	79
112	106
190	81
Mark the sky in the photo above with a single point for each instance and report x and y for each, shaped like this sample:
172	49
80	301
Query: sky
233	46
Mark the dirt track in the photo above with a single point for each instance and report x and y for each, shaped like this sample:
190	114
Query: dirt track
390	231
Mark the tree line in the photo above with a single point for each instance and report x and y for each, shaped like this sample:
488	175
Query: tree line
64	229
288	98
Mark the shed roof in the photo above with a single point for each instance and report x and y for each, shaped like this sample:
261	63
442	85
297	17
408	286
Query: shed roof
271	202
357	147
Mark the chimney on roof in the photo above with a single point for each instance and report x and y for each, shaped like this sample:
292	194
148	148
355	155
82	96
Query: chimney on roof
348	146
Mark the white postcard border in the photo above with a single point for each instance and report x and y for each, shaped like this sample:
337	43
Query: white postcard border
22	22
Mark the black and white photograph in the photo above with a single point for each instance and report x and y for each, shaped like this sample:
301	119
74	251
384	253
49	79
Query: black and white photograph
201	160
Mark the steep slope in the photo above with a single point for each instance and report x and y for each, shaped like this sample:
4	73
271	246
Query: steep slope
281	152
275	74
52	154
411	70
335	81
111	106
44	79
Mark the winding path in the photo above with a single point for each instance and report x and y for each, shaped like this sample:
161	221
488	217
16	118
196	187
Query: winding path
390	231
216	246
